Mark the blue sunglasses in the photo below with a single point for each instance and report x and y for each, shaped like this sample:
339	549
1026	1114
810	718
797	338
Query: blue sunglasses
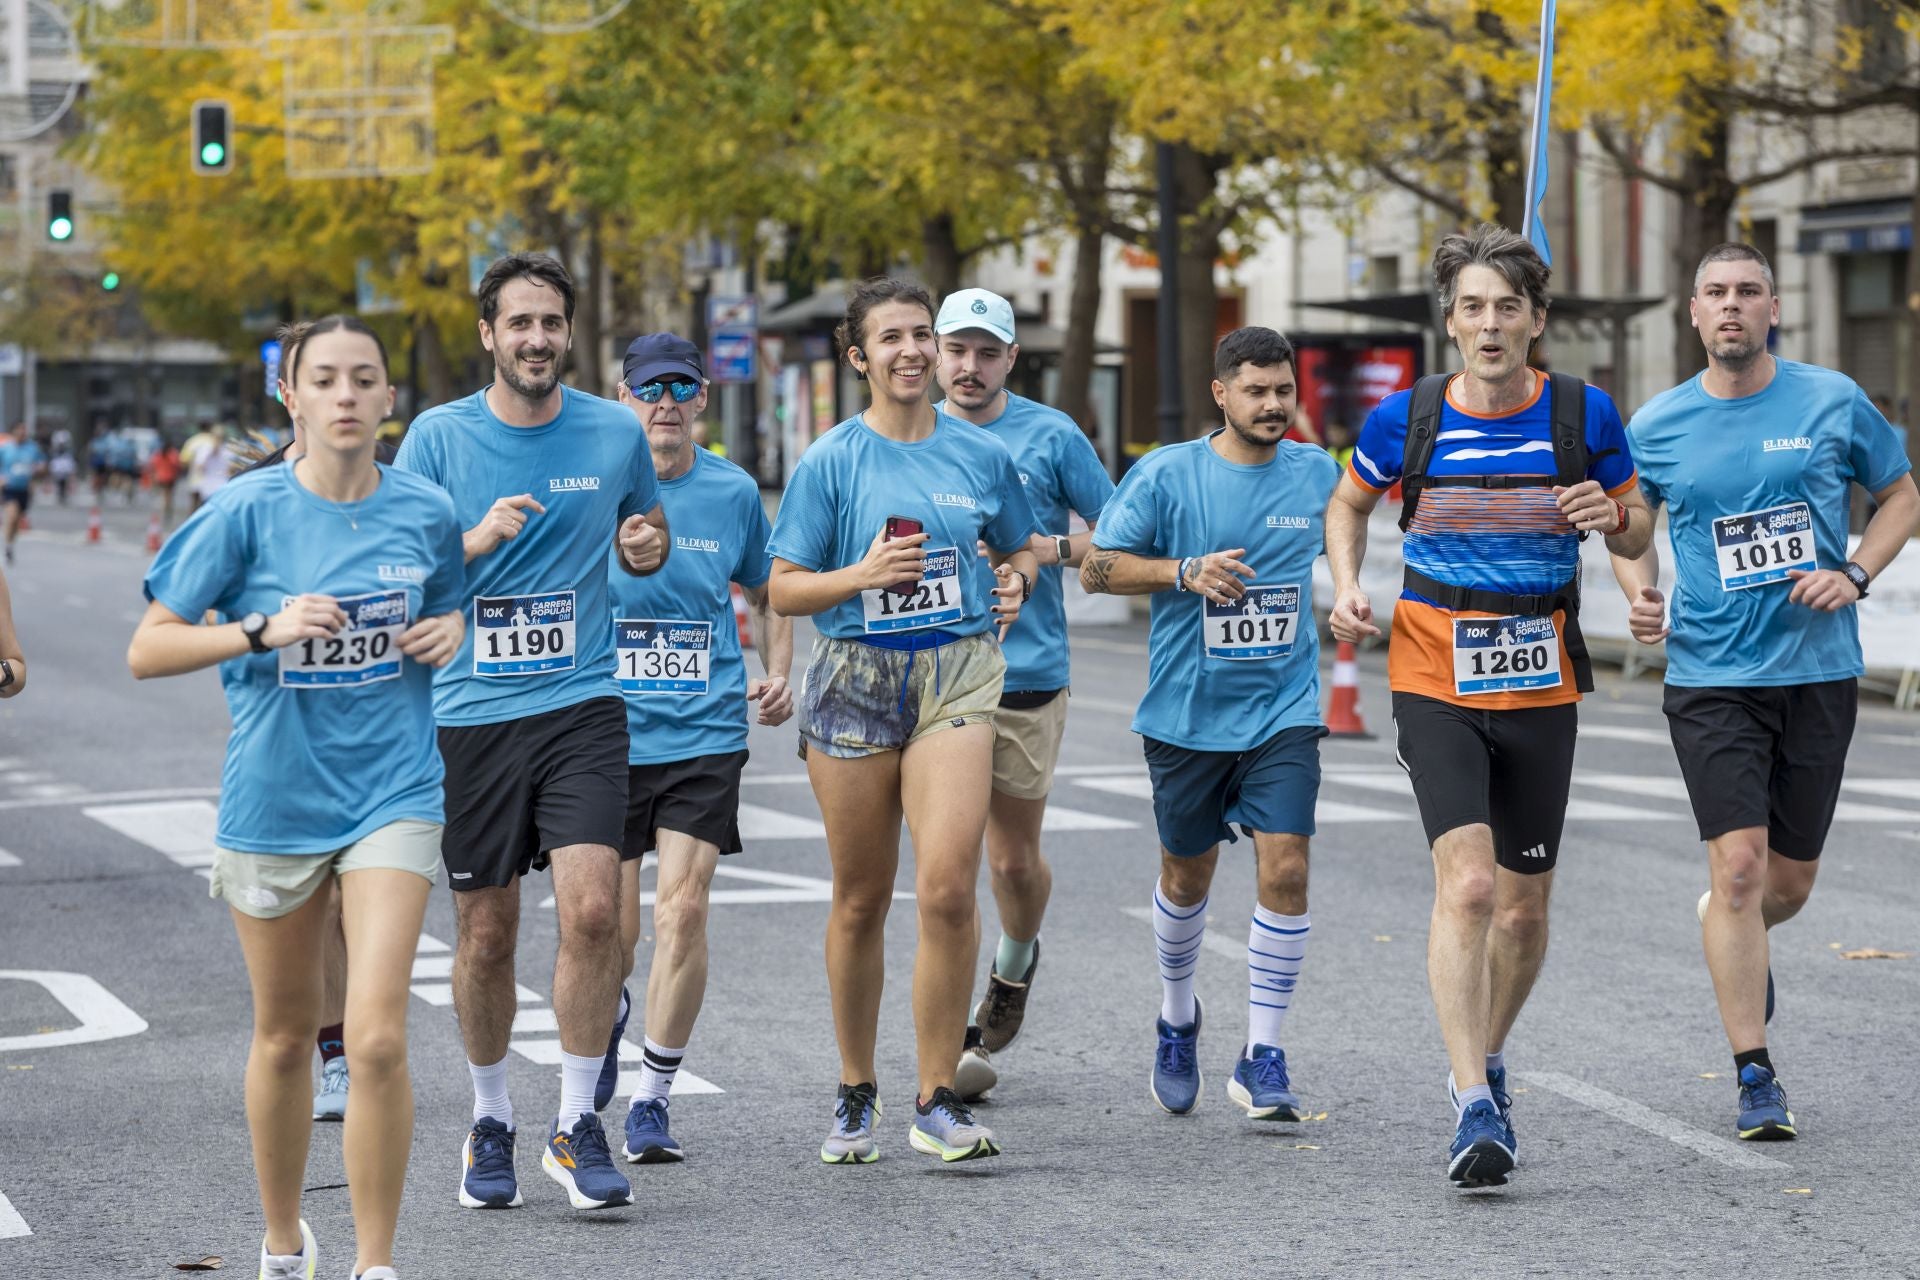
650	392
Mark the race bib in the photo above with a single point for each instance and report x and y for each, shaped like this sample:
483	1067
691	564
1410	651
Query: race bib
663	655
1504	655
523	635
365	650
934	601
1263	623
1758	547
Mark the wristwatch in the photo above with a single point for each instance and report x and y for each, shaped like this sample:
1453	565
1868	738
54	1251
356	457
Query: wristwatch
1026	584
1858	577
6	674
254	628
1062	546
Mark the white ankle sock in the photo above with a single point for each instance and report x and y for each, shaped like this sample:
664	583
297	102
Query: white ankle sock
1176	932
1276	945
578	1078
490	1092
658	1066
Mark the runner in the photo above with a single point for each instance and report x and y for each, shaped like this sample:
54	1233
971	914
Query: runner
21	461
876	539
13	662
344	578
1755	458
1504	471
544	479
687	694
1231	716
1059	473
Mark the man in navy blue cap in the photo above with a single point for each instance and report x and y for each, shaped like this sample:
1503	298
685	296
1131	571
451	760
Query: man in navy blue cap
687	696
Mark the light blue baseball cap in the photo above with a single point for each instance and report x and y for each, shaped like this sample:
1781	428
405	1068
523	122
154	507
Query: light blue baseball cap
976	309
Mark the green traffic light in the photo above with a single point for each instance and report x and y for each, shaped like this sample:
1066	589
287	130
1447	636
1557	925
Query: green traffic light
212	154
60	228
110	281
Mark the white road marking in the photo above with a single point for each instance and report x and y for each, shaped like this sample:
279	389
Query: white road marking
1392	782
686	1083
430	943
1104	705
1139	787
1076	770
1892	788
181	829
528	1022
8	860
791	888
1326	811
1665	788
547	1052
112	797
436	966
1601	811
1854	811
1621	733
1725	1150
440	994
760	823
1061	818
100	1013
1892	739
11	1223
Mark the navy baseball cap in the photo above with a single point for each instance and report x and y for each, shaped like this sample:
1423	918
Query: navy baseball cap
660	355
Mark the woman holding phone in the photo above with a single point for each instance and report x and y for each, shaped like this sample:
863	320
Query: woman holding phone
876	537
338	582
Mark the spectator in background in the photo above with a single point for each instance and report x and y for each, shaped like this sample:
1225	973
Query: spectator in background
163	471
13	664
21	460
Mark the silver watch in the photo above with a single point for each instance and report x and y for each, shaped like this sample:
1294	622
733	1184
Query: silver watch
1062	546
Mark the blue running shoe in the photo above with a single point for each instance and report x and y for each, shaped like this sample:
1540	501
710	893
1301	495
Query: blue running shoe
609	1080
1260	1085
944	1126
1177	1079
580	1161
1480	1156
1502	1102
486	1167
850	1141
1763	1107
648	1141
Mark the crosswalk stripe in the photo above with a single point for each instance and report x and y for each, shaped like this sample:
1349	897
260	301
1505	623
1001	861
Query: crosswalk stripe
1642	785
440	994
535	1021
1328	811
1854	811
786	887
547	1052
1601	811
8	860
1139	787
684	1084
183	830
758	822
1060	818
1892	788
11	1223
433	966
1621	733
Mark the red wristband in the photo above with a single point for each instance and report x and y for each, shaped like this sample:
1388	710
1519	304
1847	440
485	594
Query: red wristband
1622	526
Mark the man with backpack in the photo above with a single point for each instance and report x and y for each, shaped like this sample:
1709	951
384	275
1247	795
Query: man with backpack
1504	469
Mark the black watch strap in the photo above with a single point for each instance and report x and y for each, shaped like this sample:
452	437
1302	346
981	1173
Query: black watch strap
1858	577
254	628
6	674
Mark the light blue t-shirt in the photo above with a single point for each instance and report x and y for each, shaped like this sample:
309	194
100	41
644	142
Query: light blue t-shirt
677	648
959	483
537	638
1754	487
1060	473
332	739
17	463
1227	678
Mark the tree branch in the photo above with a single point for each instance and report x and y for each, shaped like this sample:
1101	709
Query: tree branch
1812	158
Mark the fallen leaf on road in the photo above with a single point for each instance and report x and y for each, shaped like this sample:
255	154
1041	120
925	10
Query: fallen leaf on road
1799	1191
1709	1075
212	1262
20	1066
1833	946
1321	1116
1383	937
1874	953
1304	1146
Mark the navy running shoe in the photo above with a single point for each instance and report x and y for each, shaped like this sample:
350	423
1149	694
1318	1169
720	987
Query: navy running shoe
1502	1101
1480	1156
1763	1107
648	1141
580	1161
1260	1085
603	1089
1177	1079
486	1167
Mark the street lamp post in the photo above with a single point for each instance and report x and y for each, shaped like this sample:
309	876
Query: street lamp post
1171	428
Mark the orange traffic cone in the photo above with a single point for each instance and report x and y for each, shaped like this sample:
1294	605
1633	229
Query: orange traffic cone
740	621
93	525
153	532
1343	705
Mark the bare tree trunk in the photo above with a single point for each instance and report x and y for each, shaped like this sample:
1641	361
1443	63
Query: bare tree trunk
588	337
941	257
436	375
1704	217
1199	297
1083	311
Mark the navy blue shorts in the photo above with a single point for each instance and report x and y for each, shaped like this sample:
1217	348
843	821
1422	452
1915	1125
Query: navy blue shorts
1198	795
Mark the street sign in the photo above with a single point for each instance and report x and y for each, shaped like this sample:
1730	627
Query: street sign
13	360
732	311
270	357
731	357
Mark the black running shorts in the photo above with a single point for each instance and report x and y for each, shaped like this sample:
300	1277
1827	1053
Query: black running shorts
1508	769
519	789
1765	757
698	797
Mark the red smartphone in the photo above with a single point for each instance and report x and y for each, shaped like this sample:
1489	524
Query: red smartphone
903	527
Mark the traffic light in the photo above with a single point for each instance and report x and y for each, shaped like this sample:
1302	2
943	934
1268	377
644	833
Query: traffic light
110	281
60	215
212	137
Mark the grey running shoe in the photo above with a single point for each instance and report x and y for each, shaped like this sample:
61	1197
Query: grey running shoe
850	1140
331	1102
944	1126
1004	1007
975	1074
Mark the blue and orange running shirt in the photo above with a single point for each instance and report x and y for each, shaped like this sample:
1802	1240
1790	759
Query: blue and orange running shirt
1508	540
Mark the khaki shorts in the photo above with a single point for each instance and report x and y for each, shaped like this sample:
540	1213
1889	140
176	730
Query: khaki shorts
859	700
267	886
1026	747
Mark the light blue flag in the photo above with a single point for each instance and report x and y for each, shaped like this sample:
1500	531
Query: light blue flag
1533	229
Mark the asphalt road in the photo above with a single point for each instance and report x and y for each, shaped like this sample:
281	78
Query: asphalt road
125	1155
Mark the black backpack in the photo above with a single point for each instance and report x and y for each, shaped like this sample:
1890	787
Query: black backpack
1567	404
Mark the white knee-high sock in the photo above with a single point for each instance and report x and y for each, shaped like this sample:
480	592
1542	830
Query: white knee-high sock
1176	932
1276	946
578	1078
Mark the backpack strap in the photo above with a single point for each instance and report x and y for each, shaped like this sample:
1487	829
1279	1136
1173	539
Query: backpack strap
1423	429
